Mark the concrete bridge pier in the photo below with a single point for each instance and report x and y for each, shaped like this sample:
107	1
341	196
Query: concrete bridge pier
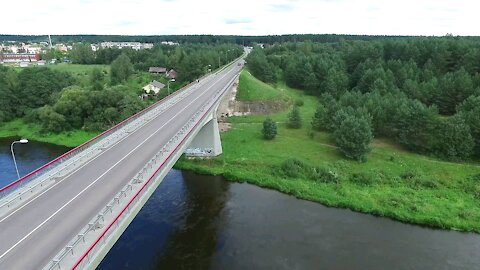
206	142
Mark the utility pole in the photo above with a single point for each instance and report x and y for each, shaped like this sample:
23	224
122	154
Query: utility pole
50	41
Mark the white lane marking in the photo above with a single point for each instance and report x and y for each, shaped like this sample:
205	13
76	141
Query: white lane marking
109	148
87	187
88	162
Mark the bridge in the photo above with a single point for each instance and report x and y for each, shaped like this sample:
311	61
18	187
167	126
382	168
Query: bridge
68	213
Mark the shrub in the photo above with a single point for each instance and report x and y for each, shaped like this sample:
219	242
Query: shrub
299	102
362	178
426	182
269	129
475	190
408	175
294	118
322	174
293	167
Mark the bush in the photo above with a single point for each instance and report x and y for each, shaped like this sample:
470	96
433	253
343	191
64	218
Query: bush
293	167
409	175
362	178
476	191
426	182
322	174
269	129
294	118
299	102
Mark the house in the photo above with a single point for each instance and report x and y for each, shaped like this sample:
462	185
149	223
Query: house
154	86
19	57
157	70
172	74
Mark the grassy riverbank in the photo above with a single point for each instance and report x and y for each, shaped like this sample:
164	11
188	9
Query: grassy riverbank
19	128
393	183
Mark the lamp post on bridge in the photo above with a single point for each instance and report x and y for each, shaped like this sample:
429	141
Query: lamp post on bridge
168	85
22	141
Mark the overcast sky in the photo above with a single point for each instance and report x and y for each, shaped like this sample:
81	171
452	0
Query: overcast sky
240	17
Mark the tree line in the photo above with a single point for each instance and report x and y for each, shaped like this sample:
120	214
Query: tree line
190	60
423	93
205	39
59	101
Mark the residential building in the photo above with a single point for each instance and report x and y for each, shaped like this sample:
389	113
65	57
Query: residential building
154	87
121	45
19	57
172	74
171	43
157	70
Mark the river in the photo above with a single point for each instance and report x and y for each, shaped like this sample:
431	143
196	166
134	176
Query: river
205	222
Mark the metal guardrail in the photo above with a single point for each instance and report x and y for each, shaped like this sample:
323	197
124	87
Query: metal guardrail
60	167
120	202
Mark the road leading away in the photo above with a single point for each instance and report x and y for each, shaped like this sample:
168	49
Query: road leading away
35	232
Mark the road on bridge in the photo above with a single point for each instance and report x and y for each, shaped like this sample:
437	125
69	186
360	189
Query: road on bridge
34	233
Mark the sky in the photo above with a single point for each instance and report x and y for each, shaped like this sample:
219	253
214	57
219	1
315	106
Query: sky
240	17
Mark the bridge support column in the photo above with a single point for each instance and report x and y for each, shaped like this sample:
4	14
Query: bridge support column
207	142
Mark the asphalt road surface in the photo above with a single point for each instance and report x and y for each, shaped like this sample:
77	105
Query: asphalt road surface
34	233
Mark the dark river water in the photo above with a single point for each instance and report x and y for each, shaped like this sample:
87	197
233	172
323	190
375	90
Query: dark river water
204	222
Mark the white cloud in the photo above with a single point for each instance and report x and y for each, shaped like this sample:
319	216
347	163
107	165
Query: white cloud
247	17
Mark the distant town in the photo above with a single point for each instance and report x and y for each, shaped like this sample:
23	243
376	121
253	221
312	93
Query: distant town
21	54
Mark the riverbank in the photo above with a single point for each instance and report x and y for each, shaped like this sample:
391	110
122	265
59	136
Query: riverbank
19	128
393	183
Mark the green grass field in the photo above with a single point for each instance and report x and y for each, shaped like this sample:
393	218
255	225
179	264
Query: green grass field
252	89
393	183
18	128
77	69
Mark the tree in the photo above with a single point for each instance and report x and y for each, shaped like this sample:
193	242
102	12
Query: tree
453	89
51	120
82	53
8	93
294	118
96	79
74	104
469	111
38	86
121	69
319	118
353	137
259	65
453	140
298	71
336	82
269	129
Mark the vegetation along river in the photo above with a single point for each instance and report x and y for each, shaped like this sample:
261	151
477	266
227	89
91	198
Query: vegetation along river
205	222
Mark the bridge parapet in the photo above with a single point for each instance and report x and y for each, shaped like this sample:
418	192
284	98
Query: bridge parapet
20	191
89	246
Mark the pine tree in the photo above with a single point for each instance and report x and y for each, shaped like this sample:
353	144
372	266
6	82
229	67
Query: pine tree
269	129
294	118
319	121
353	137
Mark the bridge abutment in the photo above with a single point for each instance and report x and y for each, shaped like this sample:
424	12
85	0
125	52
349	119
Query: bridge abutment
207	142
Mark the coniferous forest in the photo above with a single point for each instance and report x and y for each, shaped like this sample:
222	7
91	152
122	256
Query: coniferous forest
423	93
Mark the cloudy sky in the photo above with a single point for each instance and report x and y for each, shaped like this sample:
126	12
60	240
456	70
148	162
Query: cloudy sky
240	17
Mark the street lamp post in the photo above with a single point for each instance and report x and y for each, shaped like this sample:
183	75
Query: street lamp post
22	141
168	85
